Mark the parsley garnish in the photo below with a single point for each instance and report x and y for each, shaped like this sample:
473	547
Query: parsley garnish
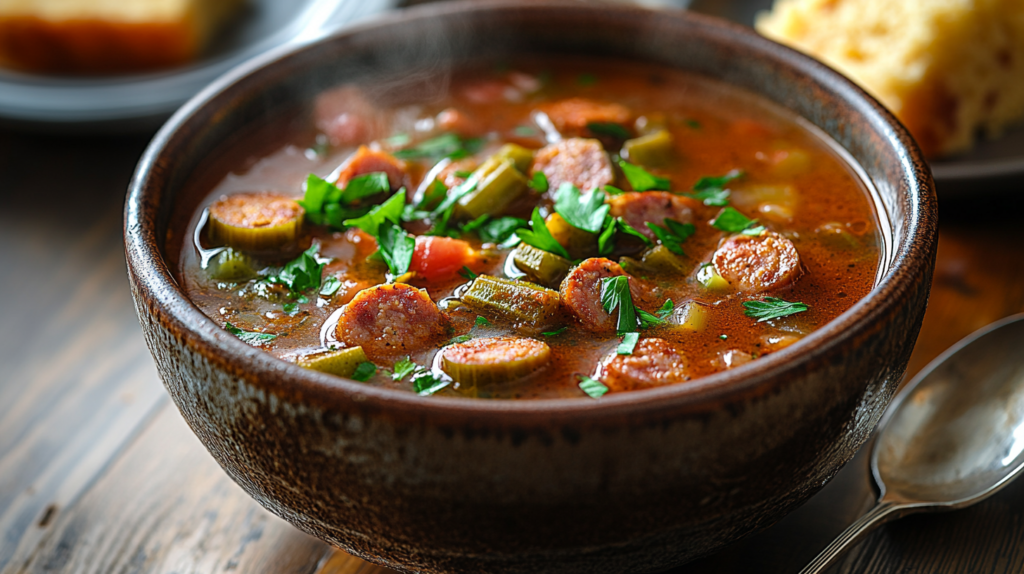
397	140
396	246
330	286
772	308
459	339
301	273
290	309
390	210
666	309
364	371
615	295
425	383
594	389
586	80
252	338
445	145
501	229
753	231
326	203
673	234
731	221
525	131
556	332
611	190
642	180
606	241
583	211
481	321
467	273
431	197
711	190
539	183
404	368
629	341
540	237
609	129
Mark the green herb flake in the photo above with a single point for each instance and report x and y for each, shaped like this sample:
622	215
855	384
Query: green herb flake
364	371
390	210
290	309
396	246
615	295
463	174
501	229
446	145
754	231
397	140
714	197
540	237
609	129
539	183
330	286
594	389
301	273
250	337
711	190
611	190
481	321
556	332
642	180
582	211
325	203
586	80
673	234
629	341
403	368
606	240
526	131
666	309
459	339
467	273
723	337
772	308
425	383
731	221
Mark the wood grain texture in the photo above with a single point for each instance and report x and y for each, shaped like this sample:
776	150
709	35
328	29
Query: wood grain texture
99	474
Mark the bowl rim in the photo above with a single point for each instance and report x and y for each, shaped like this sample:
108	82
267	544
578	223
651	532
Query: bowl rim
160	294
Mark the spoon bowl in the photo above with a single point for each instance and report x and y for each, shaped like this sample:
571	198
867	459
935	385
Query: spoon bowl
952	437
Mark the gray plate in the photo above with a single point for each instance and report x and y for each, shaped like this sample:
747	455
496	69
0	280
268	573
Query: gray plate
141	102
995	166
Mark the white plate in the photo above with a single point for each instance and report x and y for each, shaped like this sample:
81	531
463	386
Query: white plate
141	102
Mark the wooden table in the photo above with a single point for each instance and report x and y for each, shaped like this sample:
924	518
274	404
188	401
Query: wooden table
99	473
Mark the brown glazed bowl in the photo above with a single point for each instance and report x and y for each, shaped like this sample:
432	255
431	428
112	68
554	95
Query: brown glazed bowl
634	482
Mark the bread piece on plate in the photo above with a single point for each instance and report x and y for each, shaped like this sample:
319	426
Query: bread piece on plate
949	69
106	36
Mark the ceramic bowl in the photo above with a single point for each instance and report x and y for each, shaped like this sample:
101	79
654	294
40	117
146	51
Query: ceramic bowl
635	482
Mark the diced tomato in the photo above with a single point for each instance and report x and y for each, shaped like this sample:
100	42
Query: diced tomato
438	258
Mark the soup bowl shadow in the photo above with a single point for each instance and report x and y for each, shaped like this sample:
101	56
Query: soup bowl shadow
633	482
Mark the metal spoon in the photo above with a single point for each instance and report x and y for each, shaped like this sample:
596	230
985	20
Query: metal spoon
952	437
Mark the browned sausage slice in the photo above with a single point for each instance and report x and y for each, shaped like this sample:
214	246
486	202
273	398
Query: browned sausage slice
494	359
366	160
572	115
654	206
758	263
654	363
581	293
581	162
391	320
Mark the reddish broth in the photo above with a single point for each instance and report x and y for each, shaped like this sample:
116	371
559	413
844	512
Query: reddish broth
794	183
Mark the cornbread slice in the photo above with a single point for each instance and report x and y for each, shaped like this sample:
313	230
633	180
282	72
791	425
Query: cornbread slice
949	69
106	36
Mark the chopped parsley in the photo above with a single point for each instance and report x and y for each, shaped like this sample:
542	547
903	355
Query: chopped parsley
467	273
426	383
642	180
731	221
397	140
615	295
495	230
772	308
539	183
250	337
525	131
446	145
364	371
609	129
673	234
582	211
629	341
290	309
459	339
396	246
606	240
540	237
481	321
711	190
330	286
301	273
327	204
594	389
666	309
556	332
403	368
390	210
611	190
586	80
754	231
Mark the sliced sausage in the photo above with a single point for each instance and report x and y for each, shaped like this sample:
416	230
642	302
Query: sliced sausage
391	320
758	263
581	162
346	116
572	115
494	359
581	293
366	160
654	206
654	362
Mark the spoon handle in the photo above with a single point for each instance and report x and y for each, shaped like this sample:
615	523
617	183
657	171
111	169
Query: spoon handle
881	513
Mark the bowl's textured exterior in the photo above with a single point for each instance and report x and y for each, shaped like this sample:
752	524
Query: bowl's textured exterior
629	483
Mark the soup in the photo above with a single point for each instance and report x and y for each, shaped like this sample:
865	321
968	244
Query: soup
564	228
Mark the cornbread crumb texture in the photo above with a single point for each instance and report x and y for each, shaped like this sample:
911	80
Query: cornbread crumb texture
949	69
107	36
